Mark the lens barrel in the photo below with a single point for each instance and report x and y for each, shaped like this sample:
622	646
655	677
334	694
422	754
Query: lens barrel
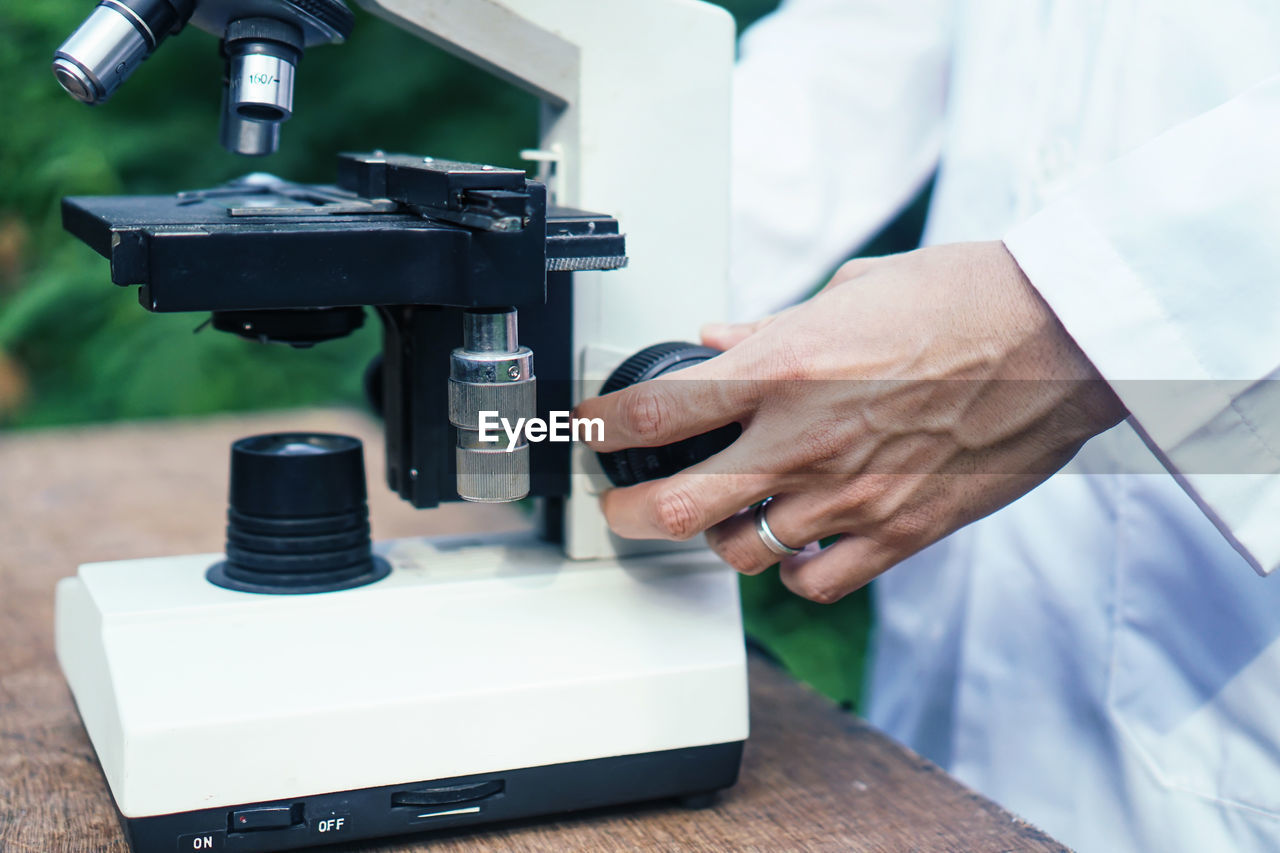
262	57
112	42
264	54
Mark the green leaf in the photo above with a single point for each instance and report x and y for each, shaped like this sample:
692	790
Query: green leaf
824	645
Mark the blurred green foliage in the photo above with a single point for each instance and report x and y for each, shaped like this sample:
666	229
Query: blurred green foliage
84	348
73	348
76	349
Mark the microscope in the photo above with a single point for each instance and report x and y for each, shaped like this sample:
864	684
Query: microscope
308	686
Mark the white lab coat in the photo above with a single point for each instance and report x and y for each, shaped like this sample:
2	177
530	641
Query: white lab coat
1101	657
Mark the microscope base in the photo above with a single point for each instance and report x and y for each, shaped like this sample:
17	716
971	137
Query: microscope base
522	793
484	679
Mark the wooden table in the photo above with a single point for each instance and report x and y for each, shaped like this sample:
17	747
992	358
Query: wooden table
814	778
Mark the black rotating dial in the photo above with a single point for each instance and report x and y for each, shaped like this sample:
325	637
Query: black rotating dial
638	464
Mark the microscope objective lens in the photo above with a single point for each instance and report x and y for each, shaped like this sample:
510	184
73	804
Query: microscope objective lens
101	54
262	55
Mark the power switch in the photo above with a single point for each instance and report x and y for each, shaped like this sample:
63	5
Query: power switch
265	817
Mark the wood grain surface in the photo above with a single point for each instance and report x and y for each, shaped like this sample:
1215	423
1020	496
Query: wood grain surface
814	778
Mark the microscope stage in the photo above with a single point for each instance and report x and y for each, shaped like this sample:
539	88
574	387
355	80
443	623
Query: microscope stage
482	680
262	243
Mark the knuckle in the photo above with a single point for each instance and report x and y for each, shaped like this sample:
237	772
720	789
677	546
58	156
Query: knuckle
906	528
903	528
675	514
817	591
646	413
863	498
882	509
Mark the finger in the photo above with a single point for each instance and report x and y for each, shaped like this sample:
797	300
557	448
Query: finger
661	411
683	505
828	575
796	520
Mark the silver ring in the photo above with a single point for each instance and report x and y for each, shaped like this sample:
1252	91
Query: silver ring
773	543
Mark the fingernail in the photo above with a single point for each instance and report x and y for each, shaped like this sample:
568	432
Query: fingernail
716	330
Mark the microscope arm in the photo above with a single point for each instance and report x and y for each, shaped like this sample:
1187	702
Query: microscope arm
635	121
495	37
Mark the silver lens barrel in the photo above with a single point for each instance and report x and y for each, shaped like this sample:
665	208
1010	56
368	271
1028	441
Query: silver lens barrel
246	136
262	56
491	332
100	55
493	374
112	42
262	87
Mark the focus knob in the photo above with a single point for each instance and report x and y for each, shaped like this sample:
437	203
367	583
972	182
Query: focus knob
638	464
491	373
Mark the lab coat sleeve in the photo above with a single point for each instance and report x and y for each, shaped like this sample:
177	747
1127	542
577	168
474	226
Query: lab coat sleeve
838	122
1165	269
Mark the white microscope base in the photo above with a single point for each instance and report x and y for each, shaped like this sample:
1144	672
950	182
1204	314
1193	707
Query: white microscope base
474	658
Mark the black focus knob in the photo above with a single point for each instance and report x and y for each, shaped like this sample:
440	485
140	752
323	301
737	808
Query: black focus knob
638	464
299	518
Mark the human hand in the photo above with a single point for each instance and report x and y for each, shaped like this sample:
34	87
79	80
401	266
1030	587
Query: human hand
916	393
